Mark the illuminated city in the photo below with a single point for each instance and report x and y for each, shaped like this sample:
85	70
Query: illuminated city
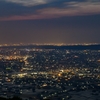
35	73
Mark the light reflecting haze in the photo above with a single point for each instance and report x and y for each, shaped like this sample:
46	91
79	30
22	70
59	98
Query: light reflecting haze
49	21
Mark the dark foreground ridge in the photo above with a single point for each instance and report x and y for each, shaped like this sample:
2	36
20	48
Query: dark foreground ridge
14	98
69	47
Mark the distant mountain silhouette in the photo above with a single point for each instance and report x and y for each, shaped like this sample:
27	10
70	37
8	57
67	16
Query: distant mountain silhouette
70	47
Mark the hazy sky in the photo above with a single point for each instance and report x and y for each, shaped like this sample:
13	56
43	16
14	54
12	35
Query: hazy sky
49	21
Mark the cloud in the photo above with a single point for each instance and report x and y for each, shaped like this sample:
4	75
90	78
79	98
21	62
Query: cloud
28	2
69	9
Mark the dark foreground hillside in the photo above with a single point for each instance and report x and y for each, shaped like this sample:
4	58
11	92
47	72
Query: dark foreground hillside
14	98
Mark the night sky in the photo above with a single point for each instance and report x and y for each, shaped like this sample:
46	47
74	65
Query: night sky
49	21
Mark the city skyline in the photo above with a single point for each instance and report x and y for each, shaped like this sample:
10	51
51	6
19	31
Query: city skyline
49	21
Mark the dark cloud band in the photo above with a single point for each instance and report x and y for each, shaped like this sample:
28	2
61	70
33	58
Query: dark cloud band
44	9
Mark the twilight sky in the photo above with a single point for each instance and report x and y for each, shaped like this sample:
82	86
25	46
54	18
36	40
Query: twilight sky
49	21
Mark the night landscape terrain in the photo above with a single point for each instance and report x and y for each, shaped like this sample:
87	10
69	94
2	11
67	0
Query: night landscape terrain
50	72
